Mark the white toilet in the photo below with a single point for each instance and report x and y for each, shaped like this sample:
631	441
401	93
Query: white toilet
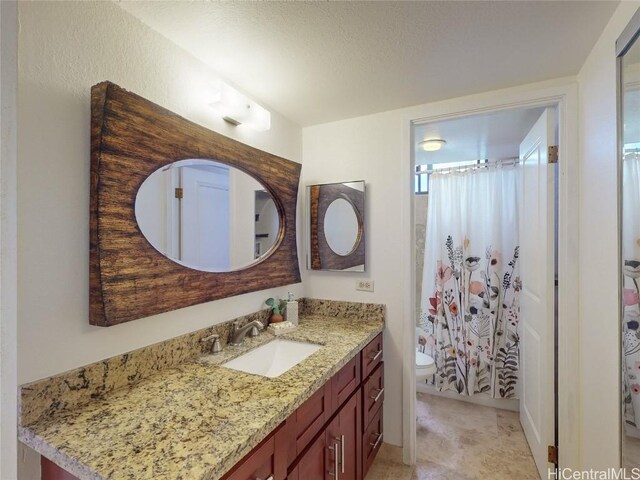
425	365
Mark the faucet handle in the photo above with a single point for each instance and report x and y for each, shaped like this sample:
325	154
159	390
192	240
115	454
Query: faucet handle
215	348
254	332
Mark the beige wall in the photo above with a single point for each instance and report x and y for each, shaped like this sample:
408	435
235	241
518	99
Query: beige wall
367	148
65	48
374	148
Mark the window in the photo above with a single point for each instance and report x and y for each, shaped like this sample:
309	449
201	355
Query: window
422	179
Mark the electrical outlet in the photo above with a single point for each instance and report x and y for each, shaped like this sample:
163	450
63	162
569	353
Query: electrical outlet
364	285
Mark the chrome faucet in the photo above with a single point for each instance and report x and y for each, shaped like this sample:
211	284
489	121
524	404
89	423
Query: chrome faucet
252	329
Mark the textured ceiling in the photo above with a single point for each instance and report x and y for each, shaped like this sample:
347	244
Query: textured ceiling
316	62
487	136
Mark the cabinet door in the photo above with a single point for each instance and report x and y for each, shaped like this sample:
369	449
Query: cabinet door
350	418
317	462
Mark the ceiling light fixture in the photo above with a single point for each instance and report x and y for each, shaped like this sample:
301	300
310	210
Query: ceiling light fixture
237	109
432	145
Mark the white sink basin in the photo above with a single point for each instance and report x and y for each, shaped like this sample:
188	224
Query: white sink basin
274	358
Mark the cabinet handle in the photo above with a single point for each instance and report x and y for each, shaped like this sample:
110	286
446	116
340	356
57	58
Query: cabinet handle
375	398
334	449
342	452
377	442
270	477
376	356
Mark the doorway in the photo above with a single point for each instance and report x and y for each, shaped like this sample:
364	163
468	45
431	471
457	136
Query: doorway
564	185
485	318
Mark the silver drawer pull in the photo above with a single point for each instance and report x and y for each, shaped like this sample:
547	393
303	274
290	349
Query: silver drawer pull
375	398
376	356
334	449
270	477
342	452
377	442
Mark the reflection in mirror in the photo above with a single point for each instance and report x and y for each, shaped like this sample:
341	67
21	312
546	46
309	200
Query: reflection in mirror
341	226
336	226
207	215
629	68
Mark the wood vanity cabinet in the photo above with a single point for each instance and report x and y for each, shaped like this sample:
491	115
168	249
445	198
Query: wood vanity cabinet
334	435
373	398
357	391
336	452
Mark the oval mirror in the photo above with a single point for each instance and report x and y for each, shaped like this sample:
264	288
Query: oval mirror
207	215
341	227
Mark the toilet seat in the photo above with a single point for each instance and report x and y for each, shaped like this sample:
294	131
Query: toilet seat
425	365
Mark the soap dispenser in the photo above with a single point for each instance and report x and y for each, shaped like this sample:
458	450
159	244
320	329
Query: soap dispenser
291	312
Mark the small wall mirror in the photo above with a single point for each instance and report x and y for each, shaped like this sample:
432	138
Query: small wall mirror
207	215
336	233
628	50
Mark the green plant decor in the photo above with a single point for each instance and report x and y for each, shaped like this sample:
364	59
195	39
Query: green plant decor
277	306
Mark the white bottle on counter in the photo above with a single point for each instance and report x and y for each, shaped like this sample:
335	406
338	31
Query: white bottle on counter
291	313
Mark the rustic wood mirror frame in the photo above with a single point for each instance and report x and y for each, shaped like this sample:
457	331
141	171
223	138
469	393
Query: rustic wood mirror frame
131	138
321	256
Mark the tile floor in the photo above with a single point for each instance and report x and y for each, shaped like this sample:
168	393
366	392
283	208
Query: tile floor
460	441
631	452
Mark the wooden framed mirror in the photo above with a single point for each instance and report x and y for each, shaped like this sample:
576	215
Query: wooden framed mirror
156	244
336	233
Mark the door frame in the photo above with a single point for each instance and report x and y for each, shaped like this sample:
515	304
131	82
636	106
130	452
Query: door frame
563	94
8	240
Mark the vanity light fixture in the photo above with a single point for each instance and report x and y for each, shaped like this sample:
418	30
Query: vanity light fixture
237	109
432	145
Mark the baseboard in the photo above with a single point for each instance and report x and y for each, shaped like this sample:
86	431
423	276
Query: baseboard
512	404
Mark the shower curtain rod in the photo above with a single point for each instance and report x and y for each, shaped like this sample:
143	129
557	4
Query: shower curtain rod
500	162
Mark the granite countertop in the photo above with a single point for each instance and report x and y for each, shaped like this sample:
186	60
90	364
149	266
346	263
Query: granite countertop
198	419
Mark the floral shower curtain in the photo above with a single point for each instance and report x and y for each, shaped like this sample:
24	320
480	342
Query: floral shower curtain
470	282
631	291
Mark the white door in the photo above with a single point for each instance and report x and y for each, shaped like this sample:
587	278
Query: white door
537	271
204	215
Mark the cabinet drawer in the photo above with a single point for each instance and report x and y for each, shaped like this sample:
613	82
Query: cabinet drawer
260	463
371	356
373	394
311	416
345	382
371	442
